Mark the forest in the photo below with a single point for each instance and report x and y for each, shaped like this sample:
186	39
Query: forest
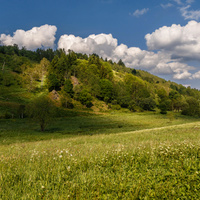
78	81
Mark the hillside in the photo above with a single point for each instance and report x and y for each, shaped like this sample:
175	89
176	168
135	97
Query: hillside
78	82
113	132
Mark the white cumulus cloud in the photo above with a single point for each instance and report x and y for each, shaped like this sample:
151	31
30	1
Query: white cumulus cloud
102	44
180	41
37	37
181	44
183	75
196	75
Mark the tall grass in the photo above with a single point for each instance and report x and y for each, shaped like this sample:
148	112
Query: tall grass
156	163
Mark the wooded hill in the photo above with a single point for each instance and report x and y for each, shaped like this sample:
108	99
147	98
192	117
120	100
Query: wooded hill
78	81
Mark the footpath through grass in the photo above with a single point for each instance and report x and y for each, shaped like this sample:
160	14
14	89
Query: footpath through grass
158	163
24	130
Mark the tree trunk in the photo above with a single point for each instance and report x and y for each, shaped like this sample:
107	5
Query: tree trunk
42	126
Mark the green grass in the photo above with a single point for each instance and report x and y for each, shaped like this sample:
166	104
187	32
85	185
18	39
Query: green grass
24	130
113	156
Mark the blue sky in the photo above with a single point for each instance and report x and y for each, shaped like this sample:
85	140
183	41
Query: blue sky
159	36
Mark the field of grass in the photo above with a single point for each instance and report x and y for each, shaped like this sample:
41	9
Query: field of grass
111	156
24	130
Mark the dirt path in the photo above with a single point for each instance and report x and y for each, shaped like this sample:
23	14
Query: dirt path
195	124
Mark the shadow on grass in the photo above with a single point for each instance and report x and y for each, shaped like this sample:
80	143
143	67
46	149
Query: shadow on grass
76	124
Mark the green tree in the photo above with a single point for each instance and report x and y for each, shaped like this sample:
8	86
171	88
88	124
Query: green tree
106	71
41	110
66	100
173	95
62	66
120	62
192	108
147	103
85	98
107	91
121	94
52	82
180	104
29	77
94	59
42	70
132	106
68	87
163	107
162	94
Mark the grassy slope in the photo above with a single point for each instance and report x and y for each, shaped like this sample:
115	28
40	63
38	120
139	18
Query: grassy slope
24	130
155	163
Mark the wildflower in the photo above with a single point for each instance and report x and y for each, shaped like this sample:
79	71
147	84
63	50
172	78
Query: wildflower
60	156
43	187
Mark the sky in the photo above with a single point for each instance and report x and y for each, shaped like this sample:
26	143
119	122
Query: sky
158	36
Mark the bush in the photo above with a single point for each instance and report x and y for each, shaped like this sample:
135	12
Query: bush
88	104
114	102
8	115
132	106
66	102
147	104
163	107
106	90
192	108
68	87
116	107
164	112
85	98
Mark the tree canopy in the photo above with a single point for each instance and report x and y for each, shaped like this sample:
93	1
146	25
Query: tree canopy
88	78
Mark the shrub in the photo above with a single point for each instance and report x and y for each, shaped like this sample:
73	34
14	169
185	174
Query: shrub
88	104
147	103
85	98
116	107
164	112
8	115
132	106
163	107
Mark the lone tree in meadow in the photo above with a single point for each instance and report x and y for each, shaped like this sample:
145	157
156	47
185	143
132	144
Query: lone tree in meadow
42	110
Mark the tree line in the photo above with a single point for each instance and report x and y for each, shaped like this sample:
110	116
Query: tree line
83	78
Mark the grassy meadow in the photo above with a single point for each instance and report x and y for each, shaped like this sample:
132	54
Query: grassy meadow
115	155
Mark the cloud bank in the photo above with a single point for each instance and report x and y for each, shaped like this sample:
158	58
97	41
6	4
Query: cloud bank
37	37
